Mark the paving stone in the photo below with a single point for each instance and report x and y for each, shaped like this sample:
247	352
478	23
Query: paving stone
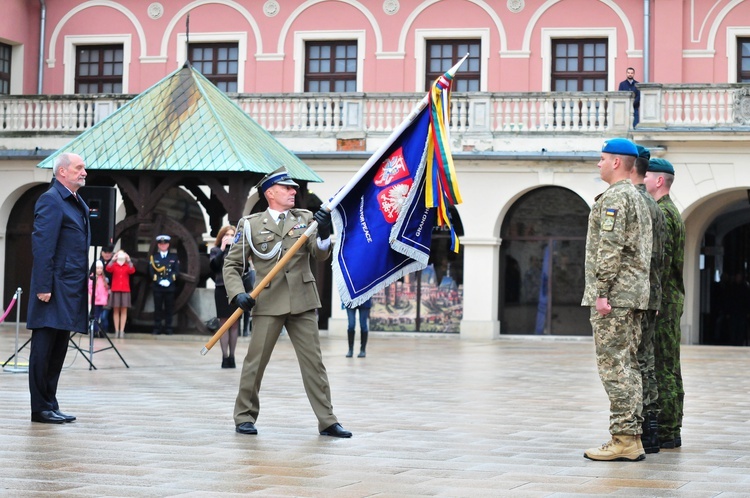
431	416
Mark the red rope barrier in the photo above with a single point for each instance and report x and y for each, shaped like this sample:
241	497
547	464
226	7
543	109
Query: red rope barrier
10	307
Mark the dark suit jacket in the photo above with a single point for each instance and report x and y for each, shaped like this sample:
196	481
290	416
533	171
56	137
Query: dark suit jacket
60	247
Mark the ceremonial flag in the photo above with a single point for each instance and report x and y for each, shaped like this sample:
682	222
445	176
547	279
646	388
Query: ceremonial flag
385	215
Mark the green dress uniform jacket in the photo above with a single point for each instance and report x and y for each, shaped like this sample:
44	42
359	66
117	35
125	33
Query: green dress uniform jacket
289	300
293	290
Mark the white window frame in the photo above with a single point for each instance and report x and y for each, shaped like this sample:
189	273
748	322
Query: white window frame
421	36
732	34
549	34
240	38
69	57
302	37
16	67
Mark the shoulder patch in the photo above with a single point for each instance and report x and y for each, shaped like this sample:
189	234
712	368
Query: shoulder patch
237	236
610	216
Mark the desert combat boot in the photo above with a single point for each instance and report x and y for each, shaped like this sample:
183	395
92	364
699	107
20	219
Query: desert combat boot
620	447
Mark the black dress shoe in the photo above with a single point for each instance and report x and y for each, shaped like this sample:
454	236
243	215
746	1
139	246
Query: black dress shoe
246	428
335	431
68	418
47	417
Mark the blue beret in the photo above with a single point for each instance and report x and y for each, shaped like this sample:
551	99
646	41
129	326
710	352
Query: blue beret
620	146
643	152
280	177
659	165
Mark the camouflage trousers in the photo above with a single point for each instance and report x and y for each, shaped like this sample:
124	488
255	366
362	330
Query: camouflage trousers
616	338
668	372
646	362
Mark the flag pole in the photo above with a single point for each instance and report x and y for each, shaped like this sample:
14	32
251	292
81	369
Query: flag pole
376	156
330	205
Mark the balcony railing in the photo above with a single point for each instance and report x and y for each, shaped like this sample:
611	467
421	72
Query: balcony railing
321	114
694	106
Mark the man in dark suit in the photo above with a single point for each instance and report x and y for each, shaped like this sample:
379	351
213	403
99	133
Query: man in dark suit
289	300
164	268
58	304
629	85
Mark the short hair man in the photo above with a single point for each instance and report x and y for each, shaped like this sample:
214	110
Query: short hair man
658	180
618	252
629	85
59	283
289	300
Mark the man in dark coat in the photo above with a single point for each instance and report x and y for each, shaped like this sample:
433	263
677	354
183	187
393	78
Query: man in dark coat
629	85
59	286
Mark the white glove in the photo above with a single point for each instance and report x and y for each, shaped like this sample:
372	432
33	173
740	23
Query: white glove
164	283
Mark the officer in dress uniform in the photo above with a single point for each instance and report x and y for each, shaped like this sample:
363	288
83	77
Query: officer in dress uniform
289	300
164	267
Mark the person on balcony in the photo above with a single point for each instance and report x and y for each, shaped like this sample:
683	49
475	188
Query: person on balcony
629	85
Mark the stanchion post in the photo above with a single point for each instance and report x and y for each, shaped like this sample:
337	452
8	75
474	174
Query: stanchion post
16	368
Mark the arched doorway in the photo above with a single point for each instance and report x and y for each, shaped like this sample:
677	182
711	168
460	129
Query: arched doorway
724	277
18	258
542	264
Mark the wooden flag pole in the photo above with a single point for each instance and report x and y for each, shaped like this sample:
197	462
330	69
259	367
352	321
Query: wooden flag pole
262	285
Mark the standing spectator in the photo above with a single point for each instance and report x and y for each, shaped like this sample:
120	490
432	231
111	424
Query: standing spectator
224	308
101	299
618	254
629	85
659	179
364	317
121	268
290	300
58	305
163	270
105	256
646	361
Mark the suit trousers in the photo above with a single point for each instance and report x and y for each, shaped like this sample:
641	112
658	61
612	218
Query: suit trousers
48	349
303	332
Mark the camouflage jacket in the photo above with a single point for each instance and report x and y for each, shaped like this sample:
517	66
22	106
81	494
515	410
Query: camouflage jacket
618	249
673	288
659	228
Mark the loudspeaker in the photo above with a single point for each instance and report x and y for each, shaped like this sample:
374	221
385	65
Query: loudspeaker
101	202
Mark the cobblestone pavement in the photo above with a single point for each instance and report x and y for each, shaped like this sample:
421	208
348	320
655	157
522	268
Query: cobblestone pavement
431	416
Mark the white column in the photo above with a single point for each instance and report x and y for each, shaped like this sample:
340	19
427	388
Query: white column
481	288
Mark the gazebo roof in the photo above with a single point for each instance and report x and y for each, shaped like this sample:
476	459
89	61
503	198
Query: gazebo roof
182	123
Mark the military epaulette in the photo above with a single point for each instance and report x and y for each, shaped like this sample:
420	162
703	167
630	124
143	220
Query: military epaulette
251	216
300	211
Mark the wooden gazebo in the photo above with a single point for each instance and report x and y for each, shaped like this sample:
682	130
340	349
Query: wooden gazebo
179	149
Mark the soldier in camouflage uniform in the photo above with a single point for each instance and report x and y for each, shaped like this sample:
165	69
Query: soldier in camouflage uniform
659	179
618	254
649	437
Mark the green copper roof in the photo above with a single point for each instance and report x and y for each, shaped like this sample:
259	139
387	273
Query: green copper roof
183	123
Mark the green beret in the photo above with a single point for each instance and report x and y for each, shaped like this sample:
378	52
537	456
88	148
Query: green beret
659	165
620	146
643	152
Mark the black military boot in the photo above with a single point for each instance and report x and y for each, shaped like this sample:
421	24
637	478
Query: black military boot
350	336
650	437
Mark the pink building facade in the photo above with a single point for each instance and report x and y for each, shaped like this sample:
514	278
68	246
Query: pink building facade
532	106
